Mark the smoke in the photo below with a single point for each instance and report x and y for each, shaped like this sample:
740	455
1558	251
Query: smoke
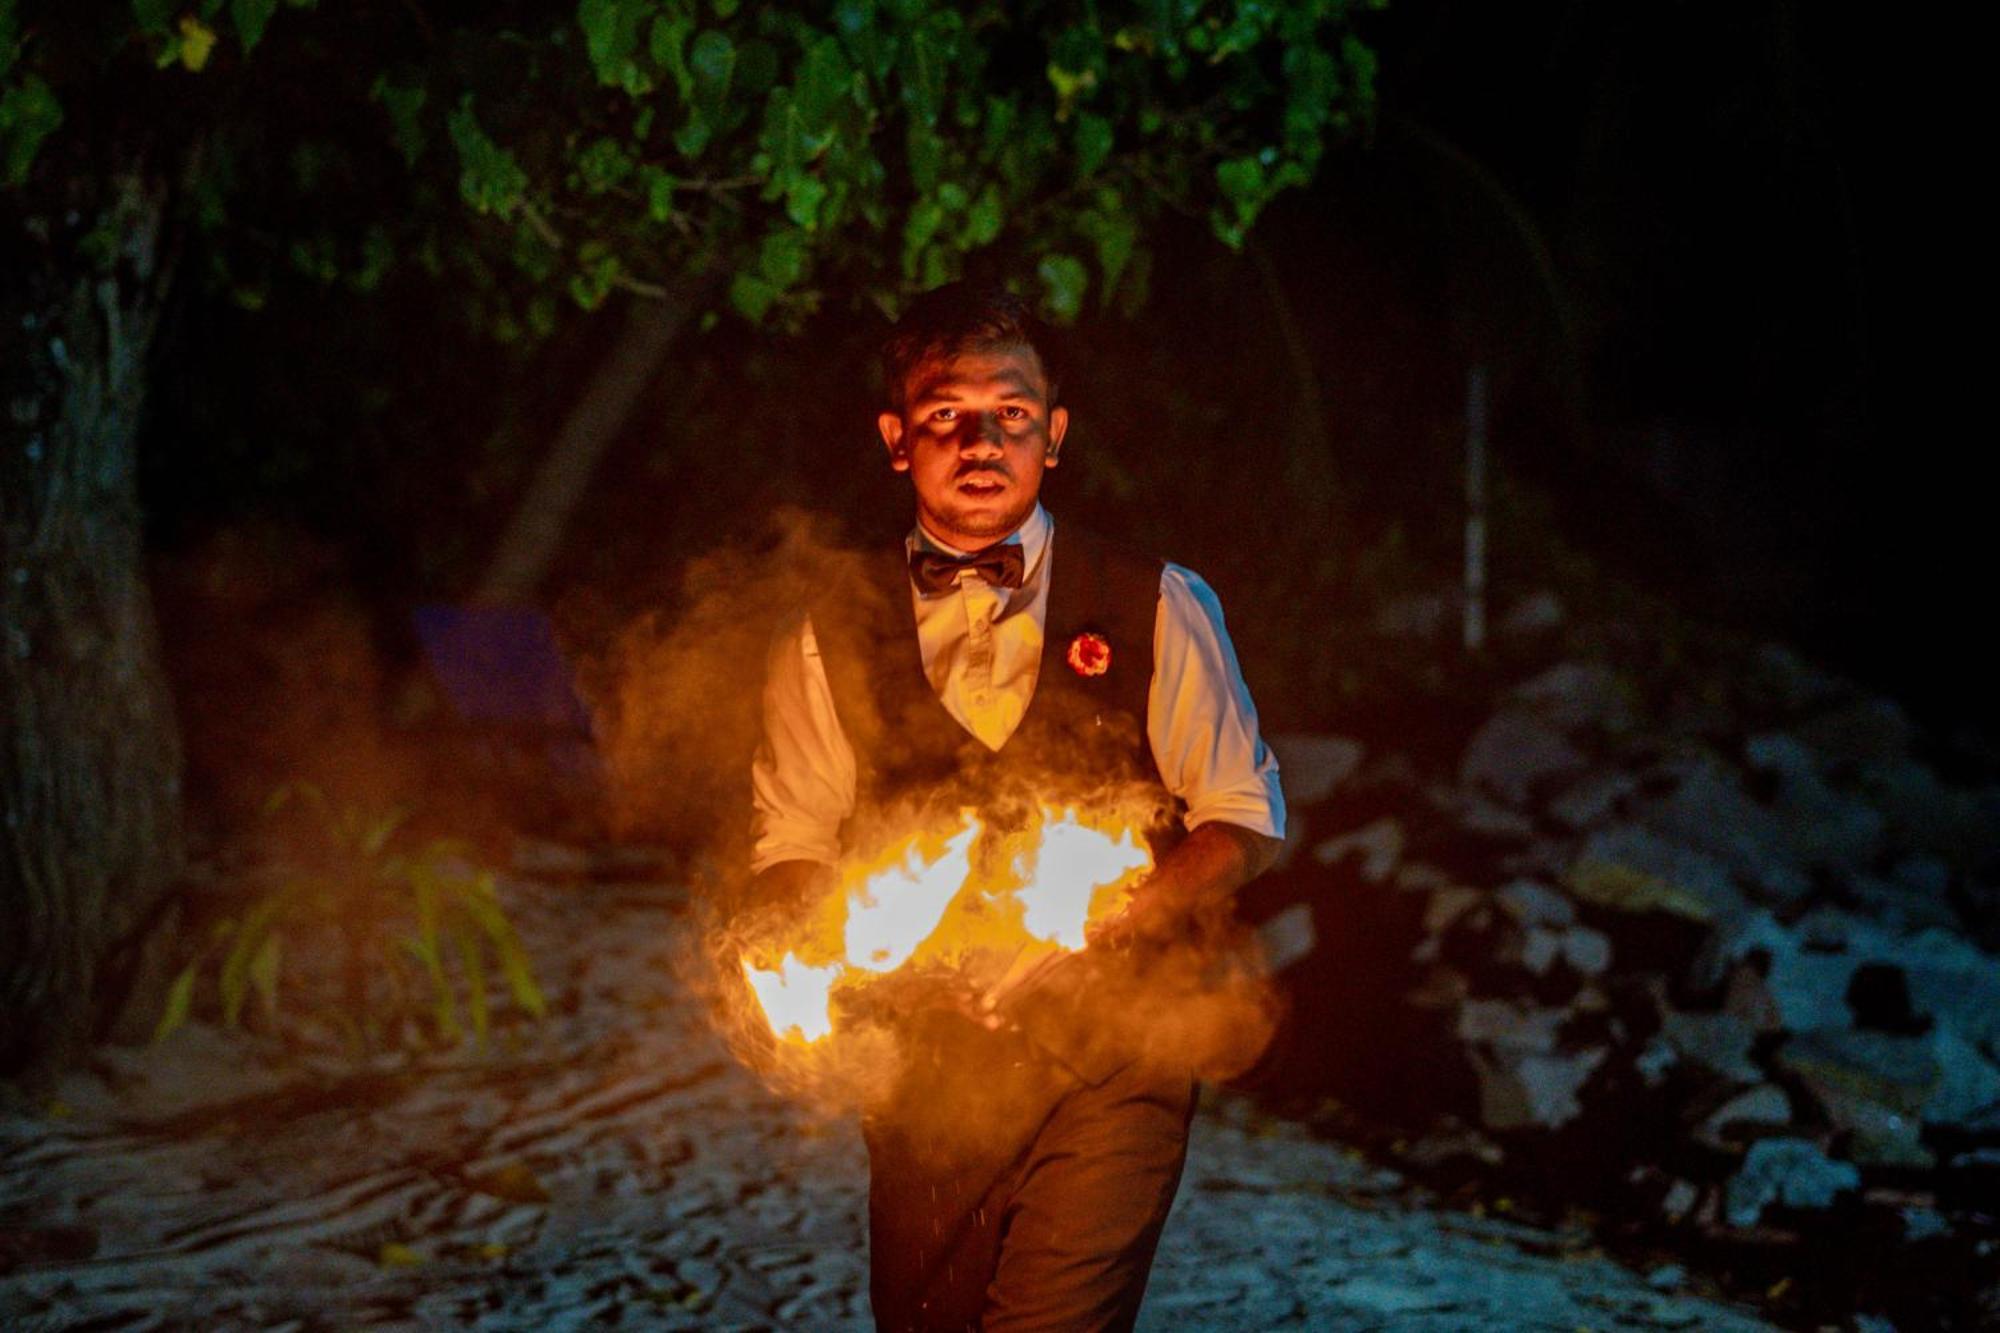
278	679
681	715
680	729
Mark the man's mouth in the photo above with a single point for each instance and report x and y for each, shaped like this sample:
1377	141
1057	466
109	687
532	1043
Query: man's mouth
980	485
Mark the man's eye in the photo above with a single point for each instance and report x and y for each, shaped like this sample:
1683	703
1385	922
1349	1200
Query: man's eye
1014	413
945	414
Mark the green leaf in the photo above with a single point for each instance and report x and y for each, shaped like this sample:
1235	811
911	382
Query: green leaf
712	61
1114	234
692	137
250	16
1093	143
1241	180
666	42
153	16
1070	84
869	47
29	114
802	200
180	998
423	882
923	69
490	180
378	833
394	1254
482	907
782	258
246	943
983	219
513	1182
425	947
923	223
604	165
824	79
926	156
404	106
472	960
1064	280
606	37
378	253
195	43
264	974
751	295
611	39
1001	115
598	270
937	267
444	1006
520	980
542	314
658	186
235	980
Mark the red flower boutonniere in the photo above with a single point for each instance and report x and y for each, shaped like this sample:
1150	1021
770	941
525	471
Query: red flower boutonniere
1090	654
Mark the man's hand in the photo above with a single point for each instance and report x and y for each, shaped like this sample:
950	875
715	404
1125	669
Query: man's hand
787	890
1190	896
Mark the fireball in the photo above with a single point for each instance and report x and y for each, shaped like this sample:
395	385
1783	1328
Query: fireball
939	898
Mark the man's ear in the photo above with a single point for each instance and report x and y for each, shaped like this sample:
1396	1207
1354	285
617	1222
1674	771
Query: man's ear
1058	427
891	426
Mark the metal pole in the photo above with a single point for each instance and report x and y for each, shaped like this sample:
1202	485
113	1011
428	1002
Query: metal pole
1475	507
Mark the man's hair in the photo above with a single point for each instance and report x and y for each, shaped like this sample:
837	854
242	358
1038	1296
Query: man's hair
956	318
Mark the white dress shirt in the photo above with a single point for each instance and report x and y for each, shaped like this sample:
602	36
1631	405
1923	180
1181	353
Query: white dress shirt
982	651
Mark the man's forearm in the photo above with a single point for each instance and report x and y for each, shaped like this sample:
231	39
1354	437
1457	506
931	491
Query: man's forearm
1197	881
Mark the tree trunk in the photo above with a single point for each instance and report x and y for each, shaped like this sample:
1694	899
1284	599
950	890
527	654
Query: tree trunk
90	764
528	546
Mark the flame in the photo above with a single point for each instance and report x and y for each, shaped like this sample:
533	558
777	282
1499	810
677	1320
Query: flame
938	898
894	910
1075	865
795	998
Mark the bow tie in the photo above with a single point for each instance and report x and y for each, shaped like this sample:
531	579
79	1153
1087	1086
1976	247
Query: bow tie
1003	566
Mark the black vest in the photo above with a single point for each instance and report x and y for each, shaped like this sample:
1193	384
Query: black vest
1083	738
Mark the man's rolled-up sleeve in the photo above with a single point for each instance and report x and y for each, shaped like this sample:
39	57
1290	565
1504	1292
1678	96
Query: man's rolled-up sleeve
1200	719
802	781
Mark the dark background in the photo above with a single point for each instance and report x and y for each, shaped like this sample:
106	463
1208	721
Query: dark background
1685	240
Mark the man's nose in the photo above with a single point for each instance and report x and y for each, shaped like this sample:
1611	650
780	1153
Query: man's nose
982	433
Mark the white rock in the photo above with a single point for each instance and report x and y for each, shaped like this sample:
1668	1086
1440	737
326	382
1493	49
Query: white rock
1514	752
1311	766
1518	1090
1792	1172
1537	904
1379	845
1587	950
1288	936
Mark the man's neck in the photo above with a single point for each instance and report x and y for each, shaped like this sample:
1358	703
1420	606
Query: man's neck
962	547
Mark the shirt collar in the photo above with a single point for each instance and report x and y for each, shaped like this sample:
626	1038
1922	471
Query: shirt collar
1032	537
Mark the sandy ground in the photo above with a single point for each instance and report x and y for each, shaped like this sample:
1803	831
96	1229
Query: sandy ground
615	1167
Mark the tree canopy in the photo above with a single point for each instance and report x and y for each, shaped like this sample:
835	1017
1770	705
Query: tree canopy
534	154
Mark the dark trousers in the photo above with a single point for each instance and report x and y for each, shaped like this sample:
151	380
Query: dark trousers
1007	1193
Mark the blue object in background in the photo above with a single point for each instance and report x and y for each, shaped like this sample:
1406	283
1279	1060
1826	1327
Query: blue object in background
505	678
501	664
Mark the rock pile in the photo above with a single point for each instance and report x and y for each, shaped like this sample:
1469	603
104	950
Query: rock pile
1733	954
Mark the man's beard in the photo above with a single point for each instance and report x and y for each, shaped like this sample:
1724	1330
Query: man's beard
981	522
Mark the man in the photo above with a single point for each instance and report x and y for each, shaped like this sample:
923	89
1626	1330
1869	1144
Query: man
1024	1164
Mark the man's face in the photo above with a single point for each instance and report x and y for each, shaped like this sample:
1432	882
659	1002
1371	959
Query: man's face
975	435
